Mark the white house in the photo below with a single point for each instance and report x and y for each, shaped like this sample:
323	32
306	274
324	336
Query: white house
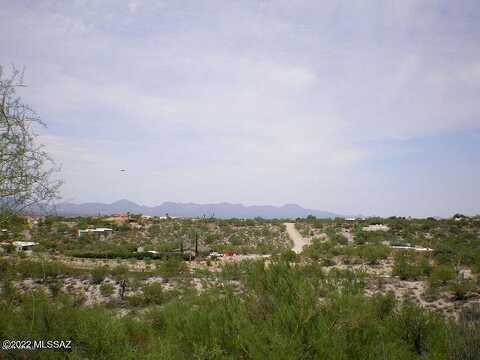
24	245
414	248
100	232
376	227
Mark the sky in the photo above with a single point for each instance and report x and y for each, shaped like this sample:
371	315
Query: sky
355	107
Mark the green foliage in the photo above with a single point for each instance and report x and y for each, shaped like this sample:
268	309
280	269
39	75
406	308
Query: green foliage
99	274
106	289
464	340
409	266
173	267
277	315
442	275
415	327
373	253
153	293
289	256
42	269
462	288
275	309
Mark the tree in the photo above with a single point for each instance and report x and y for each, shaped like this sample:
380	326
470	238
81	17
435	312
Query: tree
25	168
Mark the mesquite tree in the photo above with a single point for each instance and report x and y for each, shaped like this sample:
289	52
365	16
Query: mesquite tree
25	168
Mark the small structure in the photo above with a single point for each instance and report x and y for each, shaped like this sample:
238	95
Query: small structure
118	218
33	220
100	232
414	248
141	249
376	227
24	246
214	255
188	255
135	225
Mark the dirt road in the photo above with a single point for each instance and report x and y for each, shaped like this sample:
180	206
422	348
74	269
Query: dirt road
298	241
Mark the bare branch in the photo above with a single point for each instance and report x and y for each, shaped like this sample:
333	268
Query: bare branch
25	168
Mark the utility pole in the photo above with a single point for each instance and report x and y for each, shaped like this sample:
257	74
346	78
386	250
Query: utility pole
196	244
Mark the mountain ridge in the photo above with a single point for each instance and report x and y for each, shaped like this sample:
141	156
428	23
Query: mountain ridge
220	210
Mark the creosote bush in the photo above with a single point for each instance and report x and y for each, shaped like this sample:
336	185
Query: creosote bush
284	311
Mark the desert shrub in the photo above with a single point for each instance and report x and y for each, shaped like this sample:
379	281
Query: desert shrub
341	239
431	294
55	287
277	315
464	338
41	269
173	267
441	275
236	240
9	293
461	288
415	327
425	267
119	272
289	256
106	289
372	253
135	300
384	305
153	293
79	298
326	261
98	274
318	249
234	270
405	268
4	266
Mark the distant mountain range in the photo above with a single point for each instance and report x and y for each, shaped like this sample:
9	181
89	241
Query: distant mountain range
219	210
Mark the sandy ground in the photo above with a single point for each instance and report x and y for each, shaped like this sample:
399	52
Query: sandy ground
298	241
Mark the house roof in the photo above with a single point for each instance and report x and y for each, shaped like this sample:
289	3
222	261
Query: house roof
24	243
96	230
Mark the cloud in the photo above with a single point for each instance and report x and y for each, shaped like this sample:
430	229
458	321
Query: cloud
132	7
247	101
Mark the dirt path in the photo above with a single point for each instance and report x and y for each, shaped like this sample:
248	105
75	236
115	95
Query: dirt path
298	241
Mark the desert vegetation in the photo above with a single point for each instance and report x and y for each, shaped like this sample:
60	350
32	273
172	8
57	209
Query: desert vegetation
347	295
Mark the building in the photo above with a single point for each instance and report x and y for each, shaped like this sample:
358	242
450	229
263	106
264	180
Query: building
24	245
118	218
414	248
376	227
100	232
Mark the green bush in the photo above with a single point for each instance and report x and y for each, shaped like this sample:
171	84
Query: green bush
289	256
98	274
106	289
373	253
173	267
276	315
153	293
415	327
405	268
441	275
135	300
462	288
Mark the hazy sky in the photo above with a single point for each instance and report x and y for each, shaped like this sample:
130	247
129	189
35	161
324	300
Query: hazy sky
362	106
